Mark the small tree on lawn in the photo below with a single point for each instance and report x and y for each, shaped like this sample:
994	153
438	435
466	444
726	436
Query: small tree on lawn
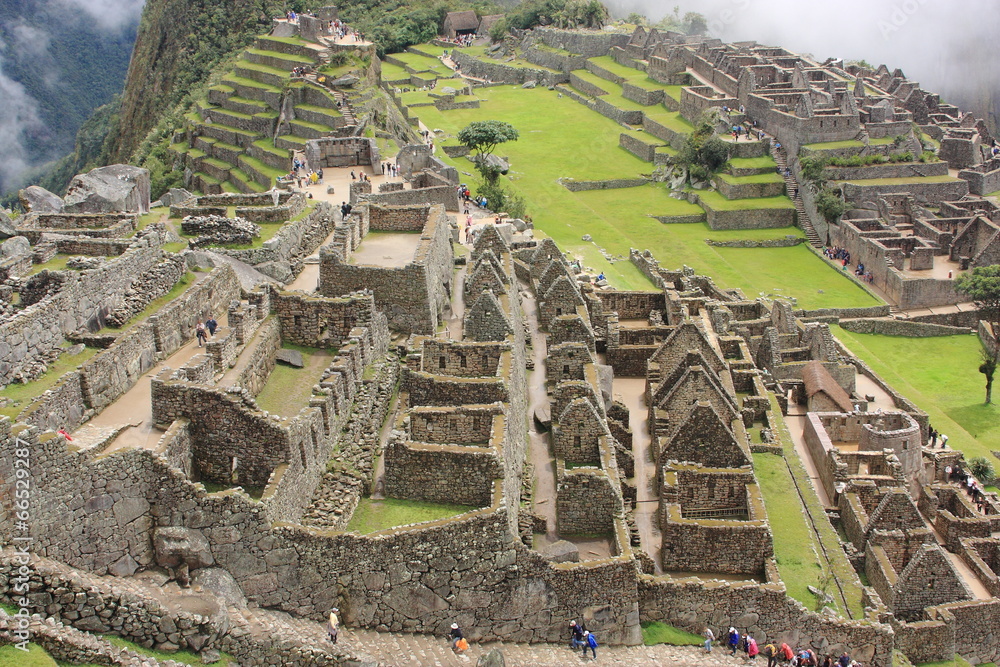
983	285
483	136
988	368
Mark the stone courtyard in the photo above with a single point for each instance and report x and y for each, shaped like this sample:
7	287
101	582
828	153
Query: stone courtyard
588	452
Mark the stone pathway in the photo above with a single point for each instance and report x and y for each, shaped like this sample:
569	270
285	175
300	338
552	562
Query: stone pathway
414	650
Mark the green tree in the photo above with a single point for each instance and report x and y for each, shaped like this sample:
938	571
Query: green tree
829	205
983	286
988	367
695	23
483	136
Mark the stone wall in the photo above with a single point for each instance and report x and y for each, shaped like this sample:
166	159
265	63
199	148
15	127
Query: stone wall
175	323
462	359
458	474
84	299
586	503
413	296
765	611
901	328
501	73
761	218
258	359
612	184
462	425
323	321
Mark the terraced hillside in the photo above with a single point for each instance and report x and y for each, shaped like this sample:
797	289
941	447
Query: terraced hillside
241	139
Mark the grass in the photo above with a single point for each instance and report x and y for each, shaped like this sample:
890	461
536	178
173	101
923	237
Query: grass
57	263
180	656
620	220
186	280
154	215
834	145
756	178
11	656
374	515
795	550
959	661
287	389
913	180
714	200
940	375
765	162
654	632
23	394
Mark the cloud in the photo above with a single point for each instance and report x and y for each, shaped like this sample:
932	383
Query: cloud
949	48
109	14
29	39
17	109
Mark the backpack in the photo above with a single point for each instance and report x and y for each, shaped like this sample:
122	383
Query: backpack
592	640
462	644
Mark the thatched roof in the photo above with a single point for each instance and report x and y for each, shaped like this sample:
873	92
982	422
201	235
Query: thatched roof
466	20
817	379
488	22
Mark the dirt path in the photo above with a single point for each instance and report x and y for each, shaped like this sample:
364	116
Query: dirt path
135	408
632	392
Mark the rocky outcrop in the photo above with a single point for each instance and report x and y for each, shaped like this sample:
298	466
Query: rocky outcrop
35	199
214	230
117	188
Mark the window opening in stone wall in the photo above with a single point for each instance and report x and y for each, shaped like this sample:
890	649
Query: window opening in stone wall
462	361
442	363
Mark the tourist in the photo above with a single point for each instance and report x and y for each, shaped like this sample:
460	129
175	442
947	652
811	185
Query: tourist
333	625
353	177
944	441
211	325
786	652
319	174
770	651
590	641
933	437
575	635
734	639
845	660
709	638
199	332
752	648
458	642
62	431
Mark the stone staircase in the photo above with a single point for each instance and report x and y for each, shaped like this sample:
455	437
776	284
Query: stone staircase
791	186
242	138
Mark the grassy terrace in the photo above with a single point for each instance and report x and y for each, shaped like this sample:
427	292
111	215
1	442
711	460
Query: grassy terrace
289	57
940	375
373	515
757	178
834	145
754	163
909	180
671	119
720	203
391	72
654	632
23	394
287	388
619	219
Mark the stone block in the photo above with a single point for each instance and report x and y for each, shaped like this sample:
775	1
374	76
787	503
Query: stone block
174	546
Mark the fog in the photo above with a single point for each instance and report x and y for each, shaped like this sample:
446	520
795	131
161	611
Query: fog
28	32
108	14
949	47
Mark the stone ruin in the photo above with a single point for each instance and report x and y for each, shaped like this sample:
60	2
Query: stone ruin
214	230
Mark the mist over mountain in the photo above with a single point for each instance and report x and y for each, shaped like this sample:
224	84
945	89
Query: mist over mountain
950	48
59	60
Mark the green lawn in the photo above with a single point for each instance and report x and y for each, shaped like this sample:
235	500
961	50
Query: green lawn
619	220
918	180
654	632
834	145
57	263
288	389
23	394
373	515
756	178
940	375
765	162
11	656
794	543
716	201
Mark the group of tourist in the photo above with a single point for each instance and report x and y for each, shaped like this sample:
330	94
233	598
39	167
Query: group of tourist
972	486
581	637
390	169
843	255
299	72
203	330
744	643
301	175
460	40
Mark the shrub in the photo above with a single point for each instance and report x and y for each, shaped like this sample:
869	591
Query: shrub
983	470
829	205
812	168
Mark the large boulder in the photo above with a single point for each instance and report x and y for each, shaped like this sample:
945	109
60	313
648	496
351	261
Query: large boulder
15	247
175	196
7	228
175	546
39	200
117	188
